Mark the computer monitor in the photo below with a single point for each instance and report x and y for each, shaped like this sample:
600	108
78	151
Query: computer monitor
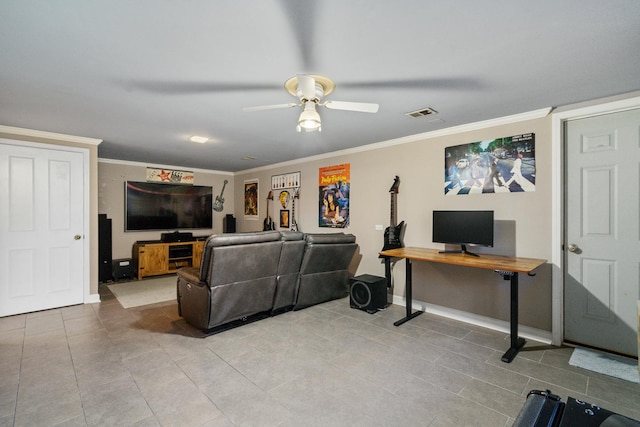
463	228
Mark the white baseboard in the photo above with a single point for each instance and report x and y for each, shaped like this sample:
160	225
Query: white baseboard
477	320
92	298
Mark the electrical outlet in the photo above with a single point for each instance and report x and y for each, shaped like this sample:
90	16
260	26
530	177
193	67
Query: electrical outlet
379	227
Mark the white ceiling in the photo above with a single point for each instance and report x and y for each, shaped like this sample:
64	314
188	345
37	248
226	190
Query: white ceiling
145	75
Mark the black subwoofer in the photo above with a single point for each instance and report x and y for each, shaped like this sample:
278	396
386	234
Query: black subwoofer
368	292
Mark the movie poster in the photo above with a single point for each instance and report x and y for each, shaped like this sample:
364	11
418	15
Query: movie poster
503	165
251	199
334	182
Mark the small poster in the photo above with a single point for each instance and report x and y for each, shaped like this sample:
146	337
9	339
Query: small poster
169	176
284	218
251	199
502	165
334	182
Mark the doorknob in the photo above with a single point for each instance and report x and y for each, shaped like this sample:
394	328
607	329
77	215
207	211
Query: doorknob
574	248
77	237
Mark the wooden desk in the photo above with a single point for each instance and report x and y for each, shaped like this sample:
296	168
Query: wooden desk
507	267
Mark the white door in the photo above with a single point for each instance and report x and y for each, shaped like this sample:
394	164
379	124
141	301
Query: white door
602	243
41	228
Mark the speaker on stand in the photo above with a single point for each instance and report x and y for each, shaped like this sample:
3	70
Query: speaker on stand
368	293
229	224
105	272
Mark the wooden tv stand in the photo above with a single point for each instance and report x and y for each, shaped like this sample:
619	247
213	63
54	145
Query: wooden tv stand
155	258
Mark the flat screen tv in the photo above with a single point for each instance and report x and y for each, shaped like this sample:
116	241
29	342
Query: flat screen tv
156	206
463	228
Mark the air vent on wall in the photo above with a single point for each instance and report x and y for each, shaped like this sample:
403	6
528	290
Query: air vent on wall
421	113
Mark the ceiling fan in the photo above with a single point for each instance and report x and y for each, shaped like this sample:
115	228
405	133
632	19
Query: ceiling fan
310	89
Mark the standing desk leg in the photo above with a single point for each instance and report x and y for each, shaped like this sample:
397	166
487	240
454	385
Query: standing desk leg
387	275
408	291
516	342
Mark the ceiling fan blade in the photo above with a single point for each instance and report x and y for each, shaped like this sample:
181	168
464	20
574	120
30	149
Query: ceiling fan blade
307	86
363	107
270	107
303	20
184	88
426	83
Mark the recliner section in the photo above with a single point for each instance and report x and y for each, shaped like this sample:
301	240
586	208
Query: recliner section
243	275
324	274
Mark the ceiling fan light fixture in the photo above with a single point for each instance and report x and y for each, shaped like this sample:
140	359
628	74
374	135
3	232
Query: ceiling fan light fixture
309	118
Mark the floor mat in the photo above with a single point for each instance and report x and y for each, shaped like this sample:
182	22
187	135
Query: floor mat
609	364
145	292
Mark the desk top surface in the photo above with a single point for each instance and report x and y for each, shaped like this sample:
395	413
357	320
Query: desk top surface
489	262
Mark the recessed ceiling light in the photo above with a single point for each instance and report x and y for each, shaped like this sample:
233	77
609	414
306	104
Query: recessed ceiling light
199	139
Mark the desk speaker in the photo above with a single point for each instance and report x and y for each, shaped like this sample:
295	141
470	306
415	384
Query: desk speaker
368	293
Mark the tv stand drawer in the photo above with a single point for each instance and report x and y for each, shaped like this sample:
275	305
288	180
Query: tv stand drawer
155	259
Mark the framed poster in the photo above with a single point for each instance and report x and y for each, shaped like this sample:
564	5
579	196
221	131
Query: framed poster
334	193
251	199
284	218
502	165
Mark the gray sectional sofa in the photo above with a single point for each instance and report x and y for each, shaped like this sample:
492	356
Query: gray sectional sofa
247	276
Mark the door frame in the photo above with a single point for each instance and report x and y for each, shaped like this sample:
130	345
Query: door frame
558	119
86	207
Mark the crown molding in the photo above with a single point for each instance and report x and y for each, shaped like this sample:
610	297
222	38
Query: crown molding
49	135
155	165
501	121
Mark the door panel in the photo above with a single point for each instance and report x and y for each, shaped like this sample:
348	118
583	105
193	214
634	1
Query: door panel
602	242
41	228
597	204
599	283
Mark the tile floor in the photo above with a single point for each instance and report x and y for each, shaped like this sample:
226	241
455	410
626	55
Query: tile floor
327	365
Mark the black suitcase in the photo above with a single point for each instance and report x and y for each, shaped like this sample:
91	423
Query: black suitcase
578	413
541	409
545	409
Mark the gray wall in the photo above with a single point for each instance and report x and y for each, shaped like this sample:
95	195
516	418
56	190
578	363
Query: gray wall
111	178
523	219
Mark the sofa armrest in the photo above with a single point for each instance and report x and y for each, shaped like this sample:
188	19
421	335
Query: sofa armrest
230	239
191	275
289	236
329	238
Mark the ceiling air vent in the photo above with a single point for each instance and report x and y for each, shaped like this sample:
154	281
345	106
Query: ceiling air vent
421	113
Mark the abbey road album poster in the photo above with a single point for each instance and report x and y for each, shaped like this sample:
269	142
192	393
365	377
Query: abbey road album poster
502	165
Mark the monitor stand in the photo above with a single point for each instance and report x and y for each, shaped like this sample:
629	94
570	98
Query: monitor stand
462	250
